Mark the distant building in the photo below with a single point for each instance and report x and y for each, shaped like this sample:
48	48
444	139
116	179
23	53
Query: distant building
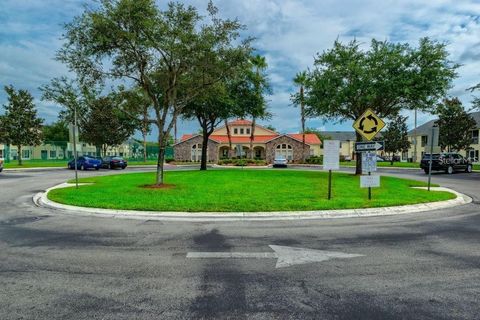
267	144
423	135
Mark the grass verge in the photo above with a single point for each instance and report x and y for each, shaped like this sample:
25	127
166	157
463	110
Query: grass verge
241	190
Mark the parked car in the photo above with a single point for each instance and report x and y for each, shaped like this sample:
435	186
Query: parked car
114	162
448	162
1	165
280	161
84	163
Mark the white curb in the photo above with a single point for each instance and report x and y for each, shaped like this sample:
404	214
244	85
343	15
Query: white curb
41	199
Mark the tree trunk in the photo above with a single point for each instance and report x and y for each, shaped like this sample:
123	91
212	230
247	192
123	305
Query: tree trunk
160	161
144	136
203	161
252	136
358	155
19	148
229	139
391	158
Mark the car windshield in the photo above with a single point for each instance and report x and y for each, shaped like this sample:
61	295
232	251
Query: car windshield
435	156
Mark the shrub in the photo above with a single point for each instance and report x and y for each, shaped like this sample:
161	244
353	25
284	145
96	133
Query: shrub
315	160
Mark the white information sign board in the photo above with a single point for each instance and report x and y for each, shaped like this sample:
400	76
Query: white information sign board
331	155
369	162
369	181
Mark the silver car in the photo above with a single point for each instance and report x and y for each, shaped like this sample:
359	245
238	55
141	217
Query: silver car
280	161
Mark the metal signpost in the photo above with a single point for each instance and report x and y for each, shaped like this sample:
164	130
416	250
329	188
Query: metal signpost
368	125
435	124
331	160
74	134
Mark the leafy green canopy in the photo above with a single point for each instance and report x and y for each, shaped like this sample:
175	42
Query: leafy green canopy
172	54
455	125
396	136
387	78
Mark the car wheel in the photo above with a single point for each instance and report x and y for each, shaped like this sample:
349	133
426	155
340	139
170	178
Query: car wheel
469	168
82	167
426	171
450	170
123	168
110	166
97	168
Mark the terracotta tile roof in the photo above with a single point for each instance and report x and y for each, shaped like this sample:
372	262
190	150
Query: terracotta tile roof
240	122
310	138
186	137
245	139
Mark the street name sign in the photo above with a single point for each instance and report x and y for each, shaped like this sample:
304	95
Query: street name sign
369	124
331	155
369	181
369	162
369	146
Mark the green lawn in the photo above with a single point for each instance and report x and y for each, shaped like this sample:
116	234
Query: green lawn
241	190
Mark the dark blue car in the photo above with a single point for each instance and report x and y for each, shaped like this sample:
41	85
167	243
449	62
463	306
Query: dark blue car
84	163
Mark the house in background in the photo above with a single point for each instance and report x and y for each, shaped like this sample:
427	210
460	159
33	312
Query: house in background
347	142
267	144
423	135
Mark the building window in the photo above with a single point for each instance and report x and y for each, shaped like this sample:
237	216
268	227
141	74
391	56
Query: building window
53	154
471	154
475	136
25	154
235	131
424	141
248	130
284	150
196	154
241	131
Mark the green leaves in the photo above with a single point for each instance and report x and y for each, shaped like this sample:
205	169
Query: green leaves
20	124
388	77
455	125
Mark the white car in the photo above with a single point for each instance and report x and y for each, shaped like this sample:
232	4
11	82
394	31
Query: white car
280	162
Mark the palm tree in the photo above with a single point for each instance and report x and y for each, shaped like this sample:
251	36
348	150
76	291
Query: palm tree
259	64
300	80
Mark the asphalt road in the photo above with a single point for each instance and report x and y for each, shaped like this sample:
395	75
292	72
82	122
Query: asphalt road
414	266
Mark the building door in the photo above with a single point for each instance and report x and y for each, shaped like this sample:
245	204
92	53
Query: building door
44	154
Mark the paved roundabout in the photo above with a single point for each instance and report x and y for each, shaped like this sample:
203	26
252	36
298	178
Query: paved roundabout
414	265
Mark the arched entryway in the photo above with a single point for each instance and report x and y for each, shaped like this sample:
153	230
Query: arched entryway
196	152
223	152
259	153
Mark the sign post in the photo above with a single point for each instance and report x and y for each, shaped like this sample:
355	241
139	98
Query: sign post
368	125
331	160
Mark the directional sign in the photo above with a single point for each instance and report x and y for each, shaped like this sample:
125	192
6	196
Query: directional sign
369	162
368	125
369	181
286	256
369	146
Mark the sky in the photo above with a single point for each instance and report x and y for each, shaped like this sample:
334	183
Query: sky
289	33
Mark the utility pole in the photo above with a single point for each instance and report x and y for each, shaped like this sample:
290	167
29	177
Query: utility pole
415	138
75	144
431	156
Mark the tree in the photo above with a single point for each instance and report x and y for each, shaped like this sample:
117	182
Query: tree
387	78
455	125
299	99
167	53
270	127
258	109
210	109
56	134
20	123
396	136
103	125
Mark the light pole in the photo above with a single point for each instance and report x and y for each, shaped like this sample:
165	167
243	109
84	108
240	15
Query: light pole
415	138
435	124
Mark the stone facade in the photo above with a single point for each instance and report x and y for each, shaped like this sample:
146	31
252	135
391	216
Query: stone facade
183	150
297	146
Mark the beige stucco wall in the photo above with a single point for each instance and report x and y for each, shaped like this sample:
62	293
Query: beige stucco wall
259	131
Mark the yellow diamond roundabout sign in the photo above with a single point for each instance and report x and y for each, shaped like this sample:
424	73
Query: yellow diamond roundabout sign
368	125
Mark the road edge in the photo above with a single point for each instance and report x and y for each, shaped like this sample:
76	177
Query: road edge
41	199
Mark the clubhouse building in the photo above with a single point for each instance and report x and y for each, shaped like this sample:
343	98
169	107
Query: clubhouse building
267	144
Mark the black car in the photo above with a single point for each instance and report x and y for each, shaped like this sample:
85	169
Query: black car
448	162
114	163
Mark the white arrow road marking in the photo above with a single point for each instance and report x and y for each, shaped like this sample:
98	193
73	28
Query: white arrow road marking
286	256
